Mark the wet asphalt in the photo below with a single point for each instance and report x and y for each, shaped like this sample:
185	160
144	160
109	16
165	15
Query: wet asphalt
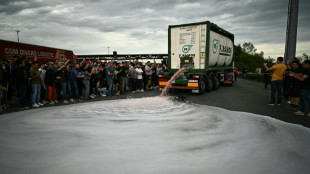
244	95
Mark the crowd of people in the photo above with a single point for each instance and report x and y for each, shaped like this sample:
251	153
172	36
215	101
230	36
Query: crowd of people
40	83
291	81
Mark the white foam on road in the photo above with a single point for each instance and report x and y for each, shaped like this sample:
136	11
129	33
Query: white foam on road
149	135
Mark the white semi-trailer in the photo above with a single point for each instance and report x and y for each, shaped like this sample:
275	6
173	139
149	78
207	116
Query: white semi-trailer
206	50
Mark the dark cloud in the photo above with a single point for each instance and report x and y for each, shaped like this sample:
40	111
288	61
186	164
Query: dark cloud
14	6
262	22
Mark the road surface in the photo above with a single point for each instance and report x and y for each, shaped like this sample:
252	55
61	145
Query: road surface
244	95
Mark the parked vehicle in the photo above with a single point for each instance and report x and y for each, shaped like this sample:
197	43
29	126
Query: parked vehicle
9	49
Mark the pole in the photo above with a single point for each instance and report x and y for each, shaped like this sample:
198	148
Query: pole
291	31
108	50
17	31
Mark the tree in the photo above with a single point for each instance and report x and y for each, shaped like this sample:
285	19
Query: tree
249	48
247	56
270	61
304	56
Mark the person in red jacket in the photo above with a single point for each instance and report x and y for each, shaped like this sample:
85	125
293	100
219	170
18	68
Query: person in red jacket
236	73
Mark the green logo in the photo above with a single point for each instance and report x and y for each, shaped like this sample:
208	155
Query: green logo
216	44
187	48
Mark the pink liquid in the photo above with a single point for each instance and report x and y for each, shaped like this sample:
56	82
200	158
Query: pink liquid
171	80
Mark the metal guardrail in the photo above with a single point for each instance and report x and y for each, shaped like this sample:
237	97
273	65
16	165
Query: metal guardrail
256	77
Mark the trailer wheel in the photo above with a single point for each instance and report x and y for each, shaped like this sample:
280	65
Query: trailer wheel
202	85
209	85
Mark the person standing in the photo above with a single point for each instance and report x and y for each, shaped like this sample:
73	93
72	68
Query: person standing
139	72
50	80
123	72
131	68
133	75
36	85
276	81
236	73
22	82
304	92
244	71
66	86
74	76
110	78
116	79
63	77
293	86
148	75
267	77
86	74
42	70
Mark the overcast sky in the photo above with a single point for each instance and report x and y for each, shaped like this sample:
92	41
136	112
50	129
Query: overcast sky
141	26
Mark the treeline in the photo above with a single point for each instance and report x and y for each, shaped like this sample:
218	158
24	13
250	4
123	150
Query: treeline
246	55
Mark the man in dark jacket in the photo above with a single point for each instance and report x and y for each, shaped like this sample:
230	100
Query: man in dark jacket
50	80
22	83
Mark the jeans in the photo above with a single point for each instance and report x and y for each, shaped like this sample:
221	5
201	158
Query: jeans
244	75
75	90
22	93
102	90
65	86
276	87
123	84
36	91
304	99
130	83
110	86
86	88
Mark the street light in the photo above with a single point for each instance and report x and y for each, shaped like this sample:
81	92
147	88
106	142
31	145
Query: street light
17	31
108	50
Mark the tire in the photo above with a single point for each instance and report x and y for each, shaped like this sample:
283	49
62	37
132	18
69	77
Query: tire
202	85
209	85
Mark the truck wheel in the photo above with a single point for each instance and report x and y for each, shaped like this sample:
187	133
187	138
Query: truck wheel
216	83
209	85
202	85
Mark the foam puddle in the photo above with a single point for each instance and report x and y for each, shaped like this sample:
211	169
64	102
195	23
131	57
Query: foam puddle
149	135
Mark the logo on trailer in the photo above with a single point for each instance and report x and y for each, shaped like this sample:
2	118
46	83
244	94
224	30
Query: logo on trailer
216	44
187	48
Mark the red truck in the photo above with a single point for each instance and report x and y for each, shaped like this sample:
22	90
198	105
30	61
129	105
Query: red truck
9	49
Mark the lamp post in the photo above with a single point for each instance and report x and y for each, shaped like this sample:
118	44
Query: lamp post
291	32
17	31
108	50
